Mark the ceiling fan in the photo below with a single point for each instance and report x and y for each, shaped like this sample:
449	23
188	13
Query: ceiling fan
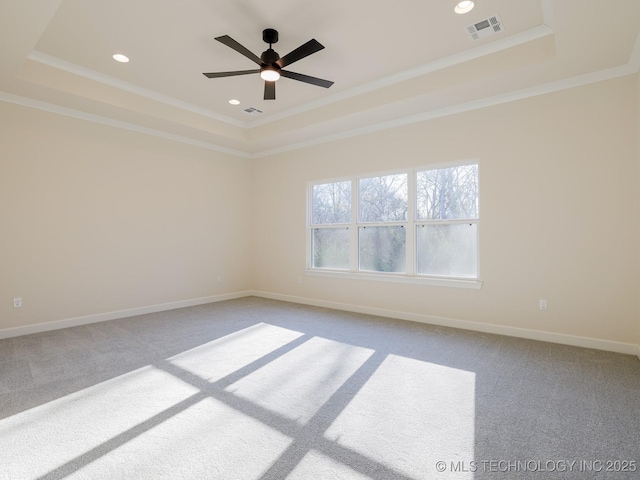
271	64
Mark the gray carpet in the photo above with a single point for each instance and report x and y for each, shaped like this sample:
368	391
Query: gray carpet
254	389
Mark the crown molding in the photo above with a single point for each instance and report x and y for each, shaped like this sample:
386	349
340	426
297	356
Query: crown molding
74	69
501	44
572	82
544	89
631	68
89	117
439	64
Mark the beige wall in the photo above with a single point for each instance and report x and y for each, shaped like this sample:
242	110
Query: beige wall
559	216
96	219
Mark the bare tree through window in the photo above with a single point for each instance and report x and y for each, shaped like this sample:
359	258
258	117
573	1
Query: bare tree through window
443	228
447	199
331	206
383	199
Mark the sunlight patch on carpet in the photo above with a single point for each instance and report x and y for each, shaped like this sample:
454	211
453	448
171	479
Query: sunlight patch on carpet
50	435
316	465
206	440
298	383
216	359
410	415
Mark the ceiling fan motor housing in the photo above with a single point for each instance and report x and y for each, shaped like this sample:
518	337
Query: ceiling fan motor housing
270	56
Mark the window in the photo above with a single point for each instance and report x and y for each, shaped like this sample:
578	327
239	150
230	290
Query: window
447	221
420	224
331	218
382	222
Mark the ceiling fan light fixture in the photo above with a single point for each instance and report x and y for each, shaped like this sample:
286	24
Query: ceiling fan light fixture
269	74
464	7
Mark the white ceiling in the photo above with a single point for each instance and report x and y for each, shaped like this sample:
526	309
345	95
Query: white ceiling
392	62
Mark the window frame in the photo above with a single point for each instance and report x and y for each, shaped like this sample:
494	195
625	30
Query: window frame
411	224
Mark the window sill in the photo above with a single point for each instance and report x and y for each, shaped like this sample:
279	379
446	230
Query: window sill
385	277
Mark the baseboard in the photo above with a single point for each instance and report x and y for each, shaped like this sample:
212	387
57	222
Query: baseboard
564	339
573	340
102	317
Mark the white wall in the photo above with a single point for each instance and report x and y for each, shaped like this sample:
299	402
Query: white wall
559	213
96	219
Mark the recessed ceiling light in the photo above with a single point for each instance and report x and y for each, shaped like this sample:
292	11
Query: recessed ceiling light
118	57
464	7
233	101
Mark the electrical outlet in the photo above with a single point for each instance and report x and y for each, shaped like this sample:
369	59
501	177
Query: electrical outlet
17	302
543	305
299	280
219	278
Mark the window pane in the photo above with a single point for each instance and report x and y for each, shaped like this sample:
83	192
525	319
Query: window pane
447	193
330	248
331	203
450	250
383	199
382	249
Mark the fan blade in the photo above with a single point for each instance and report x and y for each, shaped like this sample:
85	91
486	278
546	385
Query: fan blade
230	42
306	78
312	46
269	90
230	74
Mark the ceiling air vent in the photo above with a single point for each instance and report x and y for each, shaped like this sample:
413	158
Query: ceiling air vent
252	111
485	28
